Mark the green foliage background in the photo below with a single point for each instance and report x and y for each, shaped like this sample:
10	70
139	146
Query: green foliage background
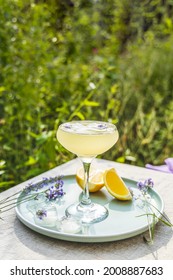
60	60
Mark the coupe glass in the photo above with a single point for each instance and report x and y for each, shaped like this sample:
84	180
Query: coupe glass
87	139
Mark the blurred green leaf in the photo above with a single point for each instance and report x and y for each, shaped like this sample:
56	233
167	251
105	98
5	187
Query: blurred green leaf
103	60
31	161
79	115
91	103
2	164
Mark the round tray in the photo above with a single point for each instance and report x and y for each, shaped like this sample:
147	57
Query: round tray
126	218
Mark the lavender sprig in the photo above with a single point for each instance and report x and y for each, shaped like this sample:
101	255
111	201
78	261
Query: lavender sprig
144	188
31	192
55	192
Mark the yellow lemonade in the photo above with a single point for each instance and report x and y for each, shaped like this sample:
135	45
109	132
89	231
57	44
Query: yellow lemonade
87	138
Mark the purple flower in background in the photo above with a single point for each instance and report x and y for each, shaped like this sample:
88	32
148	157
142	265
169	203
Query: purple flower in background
41	214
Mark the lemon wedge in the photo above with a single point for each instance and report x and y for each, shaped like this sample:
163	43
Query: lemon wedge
115	185
95	179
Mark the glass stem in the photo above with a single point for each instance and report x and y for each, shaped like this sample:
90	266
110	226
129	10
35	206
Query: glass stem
86	197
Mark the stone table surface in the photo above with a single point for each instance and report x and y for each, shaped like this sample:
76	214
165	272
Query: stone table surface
18	242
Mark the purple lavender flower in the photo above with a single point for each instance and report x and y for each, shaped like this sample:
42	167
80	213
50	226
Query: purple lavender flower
144	186
59	184
41	214
37	186
67	126
29	188
102	126
34	187
140	185
149	182
54	192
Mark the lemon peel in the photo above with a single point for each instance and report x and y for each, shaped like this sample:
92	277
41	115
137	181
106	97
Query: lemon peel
96	181
115	185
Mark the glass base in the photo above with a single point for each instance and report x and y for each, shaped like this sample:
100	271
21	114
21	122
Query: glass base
87	214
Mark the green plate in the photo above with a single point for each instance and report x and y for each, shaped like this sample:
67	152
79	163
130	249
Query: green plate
125	218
